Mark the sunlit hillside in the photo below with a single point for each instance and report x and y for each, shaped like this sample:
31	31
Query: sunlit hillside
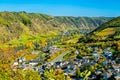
24	26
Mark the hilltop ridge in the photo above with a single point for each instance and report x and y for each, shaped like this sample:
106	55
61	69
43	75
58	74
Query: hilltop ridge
16	25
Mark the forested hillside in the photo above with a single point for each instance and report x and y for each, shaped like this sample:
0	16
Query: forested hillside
109	31
19	25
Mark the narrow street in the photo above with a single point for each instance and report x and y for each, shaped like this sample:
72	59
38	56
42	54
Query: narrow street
60	57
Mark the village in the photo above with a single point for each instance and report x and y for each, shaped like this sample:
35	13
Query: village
101	65
59	40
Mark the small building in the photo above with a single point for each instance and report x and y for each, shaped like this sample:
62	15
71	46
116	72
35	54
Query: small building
33	63
15	64
22	59
76	52
58	64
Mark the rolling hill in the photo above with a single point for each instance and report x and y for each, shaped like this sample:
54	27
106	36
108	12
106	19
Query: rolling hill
109	30
18	25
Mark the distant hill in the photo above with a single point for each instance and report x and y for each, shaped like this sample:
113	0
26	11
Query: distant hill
14	25
108	31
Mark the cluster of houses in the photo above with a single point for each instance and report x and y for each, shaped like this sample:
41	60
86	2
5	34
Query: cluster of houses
51	49
22	63
70	66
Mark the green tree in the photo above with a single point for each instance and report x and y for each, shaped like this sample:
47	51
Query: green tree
31	75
